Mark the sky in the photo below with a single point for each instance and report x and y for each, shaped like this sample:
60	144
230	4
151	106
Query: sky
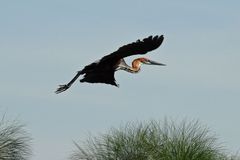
43	44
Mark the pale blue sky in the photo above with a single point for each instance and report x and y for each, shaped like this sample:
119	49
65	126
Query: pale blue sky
44	43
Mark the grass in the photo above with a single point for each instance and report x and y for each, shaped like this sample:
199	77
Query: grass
153	141
14	141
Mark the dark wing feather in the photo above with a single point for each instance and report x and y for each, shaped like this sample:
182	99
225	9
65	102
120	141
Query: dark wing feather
96	76
138	47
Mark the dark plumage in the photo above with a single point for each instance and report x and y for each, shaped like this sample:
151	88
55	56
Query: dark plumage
102	71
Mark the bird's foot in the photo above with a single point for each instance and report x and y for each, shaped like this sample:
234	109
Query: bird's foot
62	88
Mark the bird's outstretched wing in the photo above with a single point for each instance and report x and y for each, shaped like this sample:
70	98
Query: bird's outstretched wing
138	47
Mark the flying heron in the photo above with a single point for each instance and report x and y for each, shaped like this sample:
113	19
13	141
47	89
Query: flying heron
102	71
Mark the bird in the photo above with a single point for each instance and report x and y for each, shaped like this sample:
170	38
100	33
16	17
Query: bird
103	70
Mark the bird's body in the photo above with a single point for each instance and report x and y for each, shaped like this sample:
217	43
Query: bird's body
102	71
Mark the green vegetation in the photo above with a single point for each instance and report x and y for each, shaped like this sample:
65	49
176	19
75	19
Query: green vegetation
14	141
153	141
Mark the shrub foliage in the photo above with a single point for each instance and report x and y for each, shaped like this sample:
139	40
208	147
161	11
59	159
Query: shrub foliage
152	141
14	141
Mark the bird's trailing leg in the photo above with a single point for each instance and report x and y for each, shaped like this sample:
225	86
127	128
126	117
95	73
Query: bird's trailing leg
64	87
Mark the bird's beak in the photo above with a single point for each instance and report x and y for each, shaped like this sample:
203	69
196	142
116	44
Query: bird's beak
150	62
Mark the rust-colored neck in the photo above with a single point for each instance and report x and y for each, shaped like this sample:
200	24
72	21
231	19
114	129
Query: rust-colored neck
132	69
136	64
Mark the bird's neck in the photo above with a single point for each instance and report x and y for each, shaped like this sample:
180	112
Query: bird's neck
136	65
130	69
135	68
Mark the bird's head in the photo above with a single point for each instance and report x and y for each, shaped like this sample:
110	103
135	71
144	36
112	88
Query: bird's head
150	62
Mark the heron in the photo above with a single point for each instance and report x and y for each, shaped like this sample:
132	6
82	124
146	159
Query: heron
103	70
